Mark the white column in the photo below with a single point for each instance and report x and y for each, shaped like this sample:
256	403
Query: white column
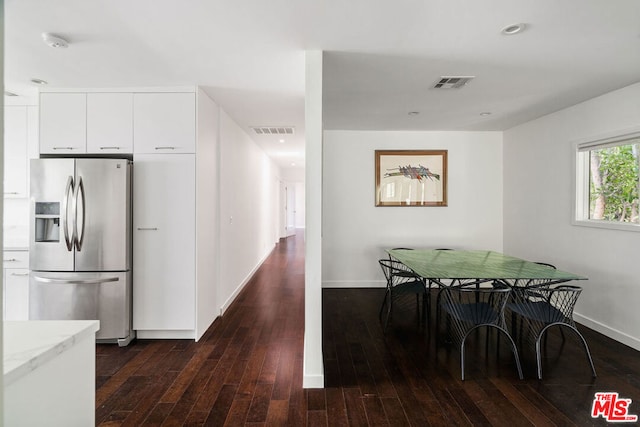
313	367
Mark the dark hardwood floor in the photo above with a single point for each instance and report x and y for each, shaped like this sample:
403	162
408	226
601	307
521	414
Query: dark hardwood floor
247	369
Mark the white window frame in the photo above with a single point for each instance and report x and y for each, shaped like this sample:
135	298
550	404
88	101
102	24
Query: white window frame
581	180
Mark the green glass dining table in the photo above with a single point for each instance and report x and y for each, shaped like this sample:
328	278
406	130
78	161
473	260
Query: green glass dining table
478	265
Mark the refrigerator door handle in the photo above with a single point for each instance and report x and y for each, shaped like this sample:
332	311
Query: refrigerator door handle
65	223
76	282
78	236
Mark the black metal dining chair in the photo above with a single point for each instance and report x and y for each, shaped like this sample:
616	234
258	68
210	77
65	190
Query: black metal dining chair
405	271
542	307
472	306
401	281
523	283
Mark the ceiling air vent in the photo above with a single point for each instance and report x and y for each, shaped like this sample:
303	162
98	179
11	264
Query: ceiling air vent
273	130
452	82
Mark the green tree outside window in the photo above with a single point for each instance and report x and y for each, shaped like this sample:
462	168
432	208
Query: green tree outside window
615	183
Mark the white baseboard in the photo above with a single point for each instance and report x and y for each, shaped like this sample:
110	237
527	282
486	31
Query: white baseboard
242	284
166	335
353	284
311	380
626	339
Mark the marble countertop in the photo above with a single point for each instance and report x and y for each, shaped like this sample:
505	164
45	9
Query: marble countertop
29	344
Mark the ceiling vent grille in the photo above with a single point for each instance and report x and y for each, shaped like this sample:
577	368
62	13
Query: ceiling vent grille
452	82
273	130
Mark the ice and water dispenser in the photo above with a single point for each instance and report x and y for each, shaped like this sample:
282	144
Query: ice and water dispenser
47	222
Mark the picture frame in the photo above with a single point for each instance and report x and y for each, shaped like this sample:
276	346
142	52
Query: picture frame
411	177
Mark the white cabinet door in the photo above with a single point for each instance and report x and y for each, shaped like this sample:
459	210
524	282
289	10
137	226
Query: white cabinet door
164	242
164	122
15	151
33	132
63	123
16	294
110	123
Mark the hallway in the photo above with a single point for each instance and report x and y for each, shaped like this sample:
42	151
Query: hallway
247	368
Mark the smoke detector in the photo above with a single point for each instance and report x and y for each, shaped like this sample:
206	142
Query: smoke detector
54	41
452	82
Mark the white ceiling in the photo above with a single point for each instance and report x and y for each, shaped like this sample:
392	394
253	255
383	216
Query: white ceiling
382	57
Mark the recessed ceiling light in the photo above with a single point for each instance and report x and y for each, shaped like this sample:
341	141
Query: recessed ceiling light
54	41
39	82
281	141
293	164
485	113
512	29
414	113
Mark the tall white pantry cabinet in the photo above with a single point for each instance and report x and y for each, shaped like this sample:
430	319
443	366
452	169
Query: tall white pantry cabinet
175	199
20	145
175	180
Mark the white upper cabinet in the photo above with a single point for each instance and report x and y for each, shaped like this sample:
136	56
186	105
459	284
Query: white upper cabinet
109	122
63	123
15	151
33	132
117	123
20	145
164	122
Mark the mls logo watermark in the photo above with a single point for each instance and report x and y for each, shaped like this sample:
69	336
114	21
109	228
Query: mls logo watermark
612	408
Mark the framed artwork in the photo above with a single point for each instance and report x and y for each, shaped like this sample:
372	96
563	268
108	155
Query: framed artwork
411	177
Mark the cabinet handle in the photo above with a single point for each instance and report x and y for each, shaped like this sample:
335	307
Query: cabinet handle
165	148
109	148
11	192
148	228
64	148
10	260
19	274
76	282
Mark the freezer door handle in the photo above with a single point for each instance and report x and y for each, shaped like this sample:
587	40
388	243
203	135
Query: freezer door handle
76	282
78	237
65	222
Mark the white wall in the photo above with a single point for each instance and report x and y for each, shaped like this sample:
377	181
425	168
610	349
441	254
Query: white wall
1	201
248	208
355	232
207	213
538	200
292	174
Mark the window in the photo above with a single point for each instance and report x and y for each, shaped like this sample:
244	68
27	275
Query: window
608	182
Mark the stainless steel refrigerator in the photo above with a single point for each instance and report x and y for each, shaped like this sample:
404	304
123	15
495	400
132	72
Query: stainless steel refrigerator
80	249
